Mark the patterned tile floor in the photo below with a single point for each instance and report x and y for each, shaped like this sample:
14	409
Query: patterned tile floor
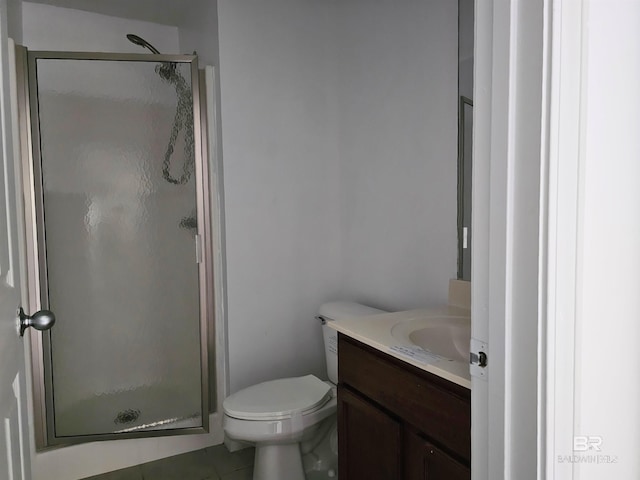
213	463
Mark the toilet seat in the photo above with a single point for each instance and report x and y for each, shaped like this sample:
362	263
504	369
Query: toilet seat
278	399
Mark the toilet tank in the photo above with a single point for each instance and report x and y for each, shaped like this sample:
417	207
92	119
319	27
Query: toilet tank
338	311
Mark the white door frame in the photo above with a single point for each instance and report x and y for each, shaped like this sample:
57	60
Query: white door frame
510	95
556	200
589	426
560	255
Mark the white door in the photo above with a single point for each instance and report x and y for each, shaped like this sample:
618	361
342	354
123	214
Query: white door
14	446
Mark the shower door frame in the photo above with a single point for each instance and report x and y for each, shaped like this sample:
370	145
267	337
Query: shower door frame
36	266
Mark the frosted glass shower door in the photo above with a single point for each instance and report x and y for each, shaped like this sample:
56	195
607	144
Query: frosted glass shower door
118	187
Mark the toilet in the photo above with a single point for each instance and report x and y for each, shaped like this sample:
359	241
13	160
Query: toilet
292	421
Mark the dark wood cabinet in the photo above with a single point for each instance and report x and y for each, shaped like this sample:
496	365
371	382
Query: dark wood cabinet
396	421
367	433
424	461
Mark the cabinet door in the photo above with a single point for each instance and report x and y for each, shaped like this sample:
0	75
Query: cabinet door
424	461
369	440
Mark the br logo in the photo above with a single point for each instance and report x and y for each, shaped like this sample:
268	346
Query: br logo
585	443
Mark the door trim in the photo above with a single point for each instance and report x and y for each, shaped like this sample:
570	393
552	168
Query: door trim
565	170
508	155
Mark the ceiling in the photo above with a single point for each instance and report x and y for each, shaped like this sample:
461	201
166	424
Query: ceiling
167	12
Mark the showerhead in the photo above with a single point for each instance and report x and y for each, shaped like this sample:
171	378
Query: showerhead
142	42
167	69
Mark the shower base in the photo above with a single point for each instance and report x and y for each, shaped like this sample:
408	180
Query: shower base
139	409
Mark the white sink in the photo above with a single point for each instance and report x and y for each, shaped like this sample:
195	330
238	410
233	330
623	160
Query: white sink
446	336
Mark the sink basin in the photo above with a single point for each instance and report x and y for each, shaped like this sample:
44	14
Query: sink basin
446	336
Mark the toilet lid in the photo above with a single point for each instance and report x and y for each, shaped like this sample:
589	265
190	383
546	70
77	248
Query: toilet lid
278	399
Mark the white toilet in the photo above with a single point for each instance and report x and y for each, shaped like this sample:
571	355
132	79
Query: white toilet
292	421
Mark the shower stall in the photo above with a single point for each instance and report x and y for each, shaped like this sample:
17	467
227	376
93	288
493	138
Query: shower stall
118	239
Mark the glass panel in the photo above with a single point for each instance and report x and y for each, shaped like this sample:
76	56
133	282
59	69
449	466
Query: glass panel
120	257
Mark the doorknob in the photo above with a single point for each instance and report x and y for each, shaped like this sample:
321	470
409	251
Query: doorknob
41	320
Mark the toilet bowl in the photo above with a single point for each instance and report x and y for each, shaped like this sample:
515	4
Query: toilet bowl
292	421
278	416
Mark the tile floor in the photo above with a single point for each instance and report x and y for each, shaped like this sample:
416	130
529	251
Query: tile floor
213	463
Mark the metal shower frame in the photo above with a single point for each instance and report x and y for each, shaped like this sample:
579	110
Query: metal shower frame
36	252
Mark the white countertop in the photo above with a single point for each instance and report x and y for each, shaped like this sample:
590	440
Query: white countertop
375	331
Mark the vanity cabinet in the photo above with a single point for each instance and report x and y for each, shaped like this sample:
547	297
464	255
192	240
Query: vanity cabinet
396	421
424	461
369	440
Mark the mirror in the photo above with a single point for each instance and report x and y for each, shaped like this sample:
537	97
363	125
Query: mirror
465	135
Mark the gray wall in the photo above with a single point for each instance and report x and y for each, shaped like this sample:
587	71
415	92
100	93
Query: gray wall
398	132
281	182
339	142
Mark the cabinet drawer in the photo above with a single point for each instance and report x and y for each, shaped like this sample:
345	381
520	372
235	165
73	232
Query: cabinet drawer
438	408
